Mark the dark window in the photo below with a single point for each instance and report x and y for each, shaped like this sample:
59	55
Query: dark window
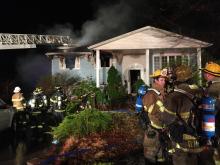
105	60
70	61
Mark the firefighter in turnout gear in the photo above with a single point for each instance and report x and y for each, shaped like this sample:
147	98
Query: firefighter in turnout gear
58	103
155	138
18	101
183	132
38	105
38	100
211	74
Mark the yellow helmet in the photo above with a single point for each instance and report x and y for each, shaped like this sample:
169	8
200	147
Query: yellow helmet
159	73
212	68
37	90
183	73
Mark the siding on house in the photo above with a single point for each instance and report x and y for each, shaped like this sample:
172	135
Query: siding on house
86	70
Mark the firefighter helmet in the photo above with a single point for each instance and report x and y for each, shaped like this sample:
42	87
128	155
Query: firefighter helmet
212	68
17	89
183	73
38	90
159	73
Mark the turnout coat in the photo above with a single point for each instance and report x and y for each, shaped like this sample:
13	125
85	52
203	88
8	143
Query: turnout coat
173	112
154	141
183	132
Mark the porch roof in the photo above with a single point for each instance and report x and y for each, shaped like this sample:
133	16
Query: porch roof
149	38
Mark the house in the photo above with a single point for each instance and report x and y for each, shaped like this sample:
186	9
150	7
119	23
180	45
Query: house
135	55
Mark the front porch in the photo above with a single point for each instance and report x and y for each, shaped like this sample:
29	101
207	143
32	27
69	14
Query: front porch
138	53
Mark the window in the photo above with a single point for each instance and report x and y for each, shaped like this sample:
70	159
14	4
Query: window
70	62
105	60
156	62
169	60
164	61
178	60
185	60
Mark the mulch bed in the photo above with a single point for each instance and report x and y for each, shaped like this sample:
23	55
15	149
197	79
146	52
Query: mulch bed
100	147
107	146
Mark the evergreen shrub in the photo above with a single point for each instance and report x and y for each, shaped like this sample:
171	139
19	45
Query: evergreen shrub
83	123
115	88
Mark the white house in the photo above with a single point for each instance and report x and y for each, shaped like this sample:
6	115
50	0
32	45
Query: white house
135	55
140	52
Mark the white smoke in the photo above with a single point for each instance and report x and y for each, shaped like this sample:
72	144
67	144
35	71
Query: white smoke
109	21
66	29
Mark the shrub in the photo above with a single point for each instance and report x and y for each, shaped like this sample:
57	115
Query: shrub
115	89
83	123
88	87
72	107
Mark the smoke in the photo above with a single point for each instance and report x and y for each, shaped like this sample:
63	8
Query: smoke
109	21
31	68
66	29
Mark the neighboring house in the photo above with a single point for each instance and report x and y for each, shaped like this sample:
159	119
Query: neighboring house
135	55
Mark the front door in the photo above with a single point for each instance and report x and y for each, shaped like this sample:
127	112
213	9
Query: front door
134	76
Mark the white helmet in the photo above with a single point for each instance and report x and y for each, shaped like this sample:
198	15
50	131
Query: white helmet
17	89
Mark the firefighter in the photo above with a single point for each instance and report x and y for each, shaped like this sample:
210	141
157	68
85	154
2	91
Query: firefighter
38	105
183	131
38	100
57	103
211	74
155	139
18	101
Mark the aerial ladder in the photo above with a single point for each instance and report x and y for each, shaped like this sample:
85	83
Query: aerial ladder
23	41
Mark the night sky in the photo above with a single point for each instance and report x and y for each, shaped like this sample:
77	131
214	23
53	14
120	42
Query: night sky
91	21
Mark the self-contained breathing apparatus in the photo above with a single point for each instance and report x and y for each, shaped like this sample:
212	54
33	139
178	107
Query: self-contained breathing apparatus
201	123
143	118
208	118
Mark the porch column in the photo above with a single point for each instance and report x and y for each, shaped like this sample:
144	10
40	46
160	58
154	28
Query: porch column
199	64
97	68
147	56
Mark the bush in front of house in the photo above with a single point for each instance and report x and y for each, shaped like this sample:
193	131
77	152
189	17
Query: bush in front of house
83	123
115	89
87	88
72	107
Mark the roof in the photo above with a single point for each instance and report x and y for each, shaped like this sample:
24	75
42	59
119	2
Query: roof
80	50
149	38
